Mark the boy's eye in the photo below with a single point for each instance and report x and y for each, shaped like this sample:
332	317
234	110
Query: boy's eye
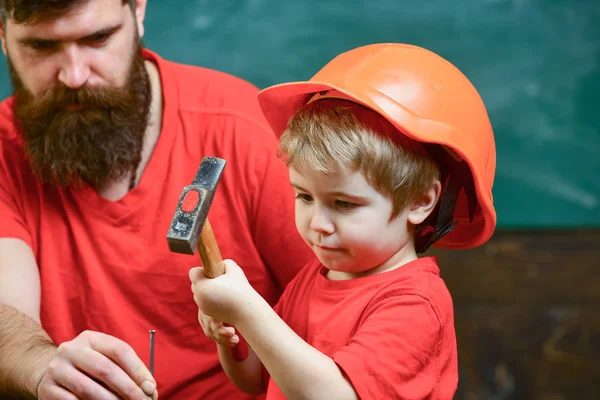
305	198
345	205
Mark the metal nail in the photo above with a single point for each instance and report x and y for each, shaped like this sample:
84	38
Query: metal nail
152	332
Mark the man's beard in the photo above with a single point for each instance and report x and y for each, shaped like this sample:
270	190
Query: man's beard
90	135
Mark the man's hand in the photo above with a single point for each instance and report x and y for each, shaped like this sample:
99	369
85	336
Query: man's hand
224	297
218	331
96	366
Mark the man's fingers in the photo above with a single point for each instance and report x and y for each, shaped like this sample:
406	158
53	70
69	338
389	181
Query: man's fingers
70	383
124	356
56	393
108	374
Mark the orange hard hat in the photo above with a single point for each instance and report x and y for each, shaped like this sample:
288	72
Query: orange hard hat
427	99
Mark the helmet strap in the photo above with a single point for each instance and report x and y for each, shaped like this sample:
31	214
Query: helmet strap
441	221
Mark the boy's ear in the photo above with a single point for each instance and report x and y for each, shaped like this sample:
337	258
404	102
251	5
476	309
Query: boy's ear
425	204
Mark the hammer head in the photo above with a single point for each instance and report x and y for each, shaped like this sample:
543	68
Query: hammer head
193	206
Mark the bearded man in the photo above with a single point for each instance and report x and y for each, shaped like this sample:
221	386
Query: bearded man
96	144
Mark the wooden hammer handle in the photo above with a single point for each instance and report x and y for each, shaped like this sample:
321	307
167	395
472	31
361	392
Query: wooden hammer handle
210	253
213	264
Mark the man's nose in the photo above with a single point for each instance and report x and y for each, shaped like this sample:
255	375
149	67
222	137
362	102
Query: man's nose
321	221
75	70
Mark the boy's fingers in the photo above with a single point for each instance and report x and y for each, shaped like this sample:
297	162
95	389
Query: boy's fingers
228	341
231	266
235	339
213	327
225	335
227	331
196	274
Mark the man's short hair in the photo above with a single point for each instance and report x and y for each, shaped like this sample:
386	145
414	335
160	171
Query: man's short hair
333	134
35	11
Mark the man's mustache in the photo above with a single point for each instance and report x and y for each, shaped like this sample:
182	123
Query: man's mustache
66	99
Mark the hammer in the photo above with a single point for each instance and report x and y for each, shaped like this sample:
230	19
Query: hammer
190	228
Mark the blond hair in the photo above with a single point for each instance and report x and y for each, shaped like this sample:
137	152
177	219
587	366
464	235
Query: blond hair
330	135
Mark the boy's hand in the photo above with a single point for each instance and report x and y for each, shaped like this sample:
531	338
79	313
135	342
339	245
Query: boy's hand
217	331
224	297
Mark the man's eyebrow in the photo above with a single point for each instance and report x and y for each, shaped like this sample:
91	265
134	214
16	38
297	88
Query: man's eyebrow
102	32
29	40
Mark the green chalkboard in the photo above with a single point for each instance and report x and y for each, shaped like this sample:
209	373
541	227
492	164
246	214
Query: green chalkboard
536	64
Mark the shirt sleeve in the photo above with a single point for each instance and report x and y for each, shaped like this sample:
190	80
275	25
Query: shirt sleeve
394	353
12	222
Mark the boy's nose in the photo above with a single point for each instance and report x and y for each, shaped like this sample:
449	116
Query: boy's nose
321	222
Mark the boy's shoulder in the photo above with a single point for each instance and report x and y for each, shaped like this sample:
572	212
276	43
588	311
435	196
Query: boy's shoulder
419	278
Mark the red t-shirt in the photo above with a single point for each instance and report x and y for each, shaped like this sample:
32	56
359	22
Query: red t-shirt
106	266
392	334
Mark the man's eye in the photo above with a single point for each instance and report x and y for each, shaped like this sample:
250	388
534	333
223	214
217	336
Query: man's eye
42	45
99	38
345	205
305	198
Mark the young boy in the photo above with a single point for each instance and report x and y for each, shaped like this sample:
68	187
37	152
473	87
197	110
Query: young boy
389	149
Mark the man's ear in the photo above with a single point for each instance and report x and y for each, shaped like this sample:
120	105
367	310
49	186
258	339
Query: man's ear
424	204
2	37
140	14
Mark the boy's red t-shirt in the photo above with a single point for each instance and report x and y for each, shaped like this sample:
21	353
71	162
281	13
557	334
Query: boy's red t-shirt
392	334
